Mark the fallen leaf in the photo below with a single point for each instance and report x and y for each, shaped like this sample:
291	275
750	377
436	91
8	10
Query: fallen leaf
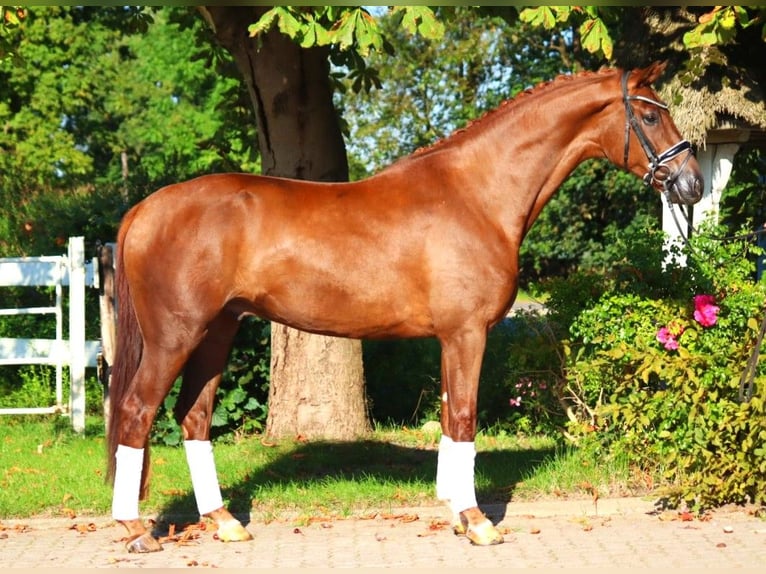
534	530
401	517
83	528
686	516
438	525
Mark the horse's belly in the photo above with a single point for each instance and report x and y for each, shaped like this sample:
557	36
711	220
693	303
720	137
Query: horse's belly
334	311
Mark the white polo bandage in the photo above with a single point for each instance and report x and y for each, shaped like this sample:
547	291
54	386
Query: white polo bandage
207	492
442	471
127	482
463	458
455	474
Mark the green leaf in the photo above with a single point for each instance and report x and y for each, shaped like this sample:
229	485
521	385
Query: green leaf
289	24
540	16
265	22
595	37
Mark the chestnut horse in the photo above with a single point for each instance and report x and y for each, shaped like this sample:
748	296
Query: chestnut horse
428	247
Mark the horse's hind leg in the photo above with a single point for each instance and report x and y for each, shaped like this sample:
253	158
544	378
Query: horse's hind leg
194	411
461	366
151	383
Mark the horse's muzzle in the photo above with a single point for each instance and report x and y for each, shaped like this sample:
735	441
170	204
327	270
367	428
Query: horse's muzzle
687	188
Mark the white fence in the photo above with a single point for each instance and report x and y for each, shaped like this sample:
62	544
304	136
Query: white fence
75	352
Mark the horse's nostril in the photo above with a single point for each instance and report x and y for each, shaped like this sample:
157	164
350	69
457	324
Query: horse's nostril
698	186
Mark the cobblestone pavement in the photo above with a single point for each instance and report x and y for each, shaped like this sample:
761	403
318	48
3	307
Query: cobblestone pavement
567	534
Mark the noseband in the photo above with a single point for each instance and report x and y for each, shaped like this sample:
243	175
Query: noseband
659	173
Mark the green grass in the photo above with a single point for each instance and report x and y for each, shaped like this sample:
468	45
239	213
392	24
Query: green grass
47	470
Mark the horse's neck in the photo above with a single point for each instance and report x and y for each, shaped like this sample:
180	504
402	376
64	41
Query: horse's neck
527	149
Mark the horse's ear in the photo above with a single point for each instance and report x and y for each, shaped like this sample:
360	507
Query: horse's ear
647	76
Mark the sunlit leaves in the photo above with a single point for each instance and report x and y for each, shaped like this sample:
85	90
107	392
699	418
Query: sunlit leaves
595	37
420	20
594	34
719	26
10	18
350	29
546	16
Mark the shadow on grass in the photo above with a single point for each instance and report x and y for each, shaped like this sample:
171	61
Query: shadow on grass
324	462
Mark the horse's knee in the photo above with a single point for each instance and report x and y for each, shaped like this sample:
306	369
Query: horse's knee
462	425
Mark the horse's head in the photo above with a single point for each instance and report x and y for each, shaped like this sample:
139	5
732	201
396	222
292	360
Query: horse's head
654	149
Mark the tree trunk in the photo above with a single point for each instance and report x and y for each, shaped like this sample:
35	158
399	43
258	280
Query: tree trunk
317	383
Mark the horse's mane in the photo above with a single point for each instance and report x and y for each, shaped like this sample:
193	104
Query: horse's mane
510	104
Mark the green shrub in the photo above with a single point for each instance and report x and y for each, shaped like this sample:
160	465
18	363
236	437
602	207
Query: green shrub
658	378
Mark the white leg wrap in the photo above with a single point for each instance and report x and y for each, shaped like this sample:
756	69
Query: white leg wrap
443	473
455	474
463	456
127	482
199	455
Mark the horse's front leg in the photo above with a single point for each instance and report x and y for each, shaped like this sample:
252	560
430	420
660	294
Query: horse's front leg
207	492
194	410
461	365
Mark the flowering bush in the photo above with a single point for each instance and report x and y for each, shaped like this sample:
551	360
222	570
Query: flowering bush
705	310
653	370
705	313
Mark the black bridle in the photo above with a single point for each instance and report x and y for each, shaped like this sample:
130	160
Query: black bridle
659	174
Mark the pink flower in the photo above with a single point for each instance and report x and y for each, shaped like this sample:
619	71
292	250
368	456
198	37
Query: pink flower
515	402
667	338
705	310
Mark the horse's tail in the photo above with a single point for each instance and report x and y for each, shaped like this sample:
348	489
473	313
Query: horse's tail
128	351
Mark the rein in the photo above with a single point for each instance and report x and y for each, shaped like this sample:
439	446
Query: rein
660	175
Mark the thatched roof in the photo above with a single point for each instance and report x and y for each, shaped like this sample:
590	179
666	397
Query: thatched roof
715	88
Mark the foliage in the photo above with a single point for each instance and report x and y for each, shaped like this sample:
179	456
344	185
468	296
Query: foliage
89	108
10	18
718	26
352	33
656	374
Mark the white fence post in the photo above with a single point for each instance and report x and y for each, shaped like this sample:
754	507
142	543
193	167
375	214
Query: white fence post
77	331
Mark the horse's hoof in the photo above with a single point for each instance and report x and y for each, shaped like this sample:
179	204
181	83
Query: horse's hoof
484	534
233	531
143	543
458	528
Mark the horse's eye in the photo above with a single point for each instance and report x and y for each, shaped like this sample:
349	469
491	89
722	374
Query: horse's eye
651	118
